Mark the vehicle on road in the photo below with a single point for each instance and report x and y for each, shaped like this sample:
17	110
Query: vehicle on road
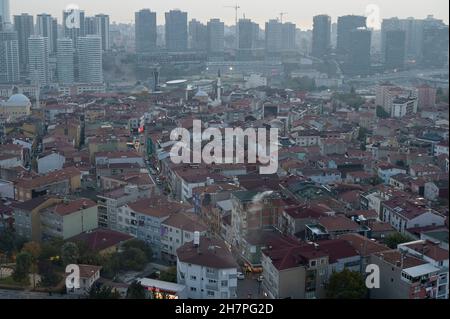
240	276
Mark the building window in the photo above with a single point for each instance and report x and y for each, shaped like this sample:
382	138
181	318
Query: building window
224	283
210	293
193	278
193	289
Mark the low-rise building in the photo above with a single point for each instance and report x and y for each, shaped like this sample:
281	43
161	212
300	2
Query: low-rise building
69	218
102	241
143	220
50	162
27	221
435	190
89	274
402	214
295	270
330	227
177	230
404	276
110	202
61	182
208	270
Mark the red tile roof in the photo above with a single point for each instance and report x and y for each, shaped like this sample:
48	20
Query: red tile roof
68	208
101	239
211	253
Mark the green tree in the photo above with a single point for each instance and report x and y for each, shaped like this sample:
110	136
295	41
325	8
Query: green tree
362	134
103	292
51	251
133	259
69	253
346	285
33	248
136	243
23	264
49	276
111	266
170	275
301	84
87	255
395	239
381	113
10	243
136	291
352	99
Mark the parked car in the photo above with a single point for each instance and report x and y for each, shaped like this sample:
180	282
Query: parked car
240	276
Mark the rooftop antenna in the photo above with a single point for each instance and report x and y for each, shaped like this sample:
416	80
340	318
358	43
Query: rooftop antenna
282	14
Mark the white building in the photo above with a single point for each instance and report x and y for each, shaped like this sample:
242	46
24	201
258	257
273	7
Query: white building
102	30
386	171
441	148
38	57
6	189
208	269
47	27
108	158
65	61
88	276
402	215
178	230
162	289
216	36
80	88
50	162
110	202
9	57
402	107
90	59
4	11
254	80
274	38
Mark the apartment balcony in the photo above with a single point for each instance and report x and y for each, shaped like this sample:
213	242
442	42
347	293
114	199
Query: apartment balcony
310	295
213	287
213	275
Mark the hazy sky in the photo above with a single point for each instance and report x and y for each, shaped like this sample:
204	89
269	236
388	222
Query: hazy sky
299	11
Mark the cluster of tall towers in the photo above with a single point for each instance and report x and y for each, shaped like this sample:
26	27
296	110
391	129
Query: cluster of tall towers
181	35
424	41
37	50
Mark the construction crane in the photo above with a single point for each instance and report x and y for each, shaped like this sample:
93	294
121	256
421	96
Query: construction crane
282	14
236	9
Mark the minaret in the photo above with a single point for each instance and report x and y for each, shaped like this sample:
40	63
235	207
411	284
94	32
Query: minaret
219	87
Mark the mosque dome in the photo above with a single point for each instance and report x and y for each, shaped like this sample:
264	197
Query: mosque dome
18	100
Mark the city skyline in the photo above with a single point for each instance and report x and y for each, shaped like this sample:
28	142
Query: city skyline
259	14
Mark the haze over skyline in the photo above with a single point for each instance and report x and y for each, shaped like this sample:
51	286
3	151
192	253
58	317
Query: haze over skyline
298	12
